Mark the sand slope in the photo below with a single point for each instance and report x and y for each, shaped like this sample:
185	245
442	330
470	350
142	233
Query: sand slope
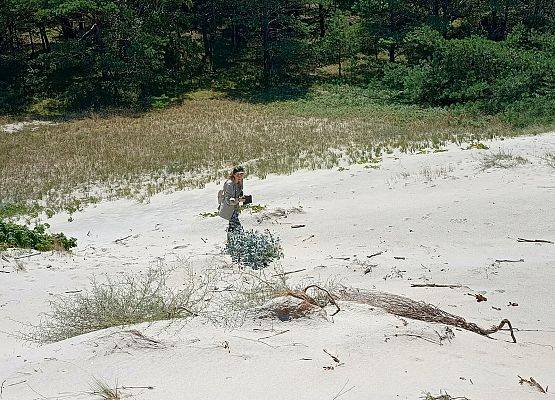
446	217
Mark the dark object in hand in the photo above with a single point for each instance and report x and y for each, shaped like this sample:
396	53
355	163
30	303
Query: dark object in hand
247	199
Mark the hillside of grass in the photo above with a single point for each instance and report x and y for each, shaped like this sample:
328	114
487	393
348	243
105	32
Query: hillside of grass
75	162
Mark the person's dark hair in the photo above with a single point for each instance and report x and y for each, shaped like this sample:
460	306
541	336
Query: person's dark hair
236	170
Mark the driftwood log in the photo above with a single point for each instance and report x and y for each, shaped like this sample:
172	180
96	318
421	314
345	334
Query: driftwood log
400	306
419	310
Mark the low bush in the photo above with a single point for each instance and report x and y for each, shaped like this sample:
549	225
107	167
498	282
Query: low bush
131	299
15	235
501	159
254	249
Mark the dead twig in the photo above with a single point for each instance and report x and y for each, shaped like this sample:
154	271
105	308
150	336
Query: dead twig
343	391
302	295
437	285
534	240
275	334
122	239
138	387
297	226
375	254
510	261
532	382
419	337
479	297
290	272
334	358
27	256
330	297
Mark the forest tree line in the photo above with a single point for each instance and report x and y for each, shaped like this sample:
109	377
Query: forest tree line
63	55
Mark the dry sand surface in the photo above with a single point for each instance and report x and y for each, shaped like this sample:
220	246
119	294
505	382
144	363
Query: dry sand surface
436	218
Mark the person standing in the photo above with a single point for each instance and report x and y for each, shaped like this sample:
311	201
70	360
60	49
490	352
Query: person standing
231	198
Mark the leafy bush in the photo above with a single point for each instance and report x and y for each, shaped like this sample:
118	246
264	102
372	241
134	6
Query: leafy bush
14	235
130	300
254	249
491	75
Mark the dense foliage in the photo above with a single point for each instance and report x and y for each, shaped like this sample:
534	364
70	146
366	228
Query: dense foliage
63	55
14	235
254	249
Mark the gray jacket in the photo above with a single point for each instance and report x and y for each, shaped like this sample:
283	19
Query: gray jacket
230	201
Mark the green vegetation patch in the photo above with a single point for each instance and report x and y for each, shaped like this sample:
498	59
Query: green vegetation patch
131	299
502	159
15	235
254	249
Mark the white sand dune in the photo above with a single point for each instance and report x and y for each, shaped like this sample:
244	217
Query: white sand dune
437	218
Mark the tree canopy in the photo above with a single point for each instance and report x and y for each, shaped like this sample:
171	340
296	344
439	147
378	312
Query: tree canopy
61	55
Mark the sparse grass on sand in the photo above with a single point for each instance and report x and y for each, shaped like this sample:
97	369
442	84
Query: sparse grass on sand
549	159
250	290
445	396
74	163
501	159
103	391
129	300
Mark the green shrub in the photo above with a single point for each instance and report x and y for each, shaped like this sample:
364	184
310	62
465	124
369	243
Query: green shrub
9	210
47	108
131	299
254	249
14	235
491	76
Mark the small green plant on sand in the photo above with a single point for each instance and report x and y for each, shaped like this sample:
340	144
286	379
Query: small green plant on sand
254	249
104	391
445	396
209	214
477	146
501	159
15	235
253	208
131	299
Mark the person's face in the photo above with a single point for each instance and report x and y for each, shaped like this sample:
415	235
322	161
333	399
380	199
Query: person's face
239	177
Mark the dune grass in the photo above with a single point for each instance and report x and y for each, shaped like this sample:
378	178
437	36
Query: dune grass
549	159
103	390
501	159
131	299
74	163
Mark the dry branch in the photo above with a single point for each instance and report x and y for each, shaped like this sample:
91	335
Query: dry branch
290	272
437	285
27	256
122	239
408	308
534	240
532	382
302	295
334	358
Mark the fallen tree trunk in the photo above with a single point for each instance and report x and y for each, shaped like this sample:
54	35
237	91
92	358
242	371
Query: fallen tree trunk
408	308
